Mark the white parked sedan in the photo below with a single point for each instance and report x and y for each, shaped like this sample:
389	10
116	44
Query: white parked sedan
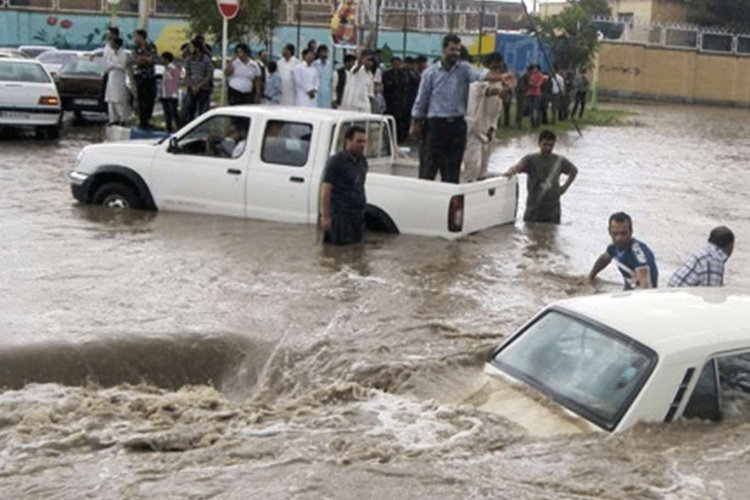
610	361
28	97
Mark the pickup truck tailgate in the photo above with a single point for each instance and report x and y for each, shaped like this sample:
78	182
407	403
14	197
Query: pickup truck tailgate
488	203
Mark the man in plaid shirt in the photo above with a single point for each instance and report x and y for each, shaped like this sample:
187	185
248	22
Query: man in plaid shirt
706	266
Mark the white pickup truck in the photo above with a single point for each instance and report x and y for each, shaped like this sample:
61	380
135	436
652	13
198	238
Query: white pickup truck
275	173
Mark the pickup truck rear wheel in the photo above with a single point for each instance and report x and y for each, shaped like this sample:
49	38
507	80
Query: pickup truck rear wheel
116	195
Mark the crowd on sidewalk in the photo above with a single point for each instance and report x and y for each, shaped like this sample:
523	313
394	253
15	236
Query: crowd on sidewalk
363	82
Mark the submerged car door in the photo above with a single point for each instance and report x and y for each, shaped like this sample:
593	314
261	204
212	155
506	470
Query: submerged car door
279	184
204	169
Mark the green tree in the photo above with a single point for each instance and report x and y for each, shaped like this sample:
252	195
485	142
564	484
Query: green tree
570	35
730	14
256	18
599	8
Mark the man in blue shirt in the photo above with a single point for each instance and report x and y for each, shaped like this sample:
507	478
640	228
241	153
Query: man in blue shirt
634	259
439	110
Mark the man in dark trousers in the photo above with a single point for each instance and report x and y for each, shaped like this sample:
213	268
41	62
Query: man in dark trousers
343	201
396	93
438	113
144	60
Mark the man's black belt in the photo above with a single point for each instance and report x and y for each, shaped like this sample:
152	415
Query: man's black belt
446	119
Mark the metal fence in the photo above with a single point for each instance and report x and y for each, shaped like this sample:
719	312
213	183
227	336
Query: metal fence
675	36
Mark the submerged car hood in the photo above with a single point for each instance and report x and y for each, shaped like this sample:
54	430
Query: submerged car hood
523	405
97	154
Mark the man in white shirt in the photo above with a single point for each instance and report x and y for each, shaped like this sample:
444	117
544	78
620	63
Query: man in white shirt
285	68
483	111
359	86
306	81
243	77
558	92
325	75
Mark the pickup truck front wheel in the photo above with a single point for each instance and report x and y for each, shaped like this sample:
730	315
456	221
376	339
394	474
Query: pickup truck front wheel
116	195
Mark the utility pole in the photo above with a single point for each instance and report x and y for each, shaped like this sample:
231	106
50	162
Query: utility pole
406	25
299	26
481	29
144	6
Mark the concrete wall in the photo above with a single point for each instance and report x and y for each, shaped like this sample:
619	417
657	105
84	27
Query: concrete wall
630	70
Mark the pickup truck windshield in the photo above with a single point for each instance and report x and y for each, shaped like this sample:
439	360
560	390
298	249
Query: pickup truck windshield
588	369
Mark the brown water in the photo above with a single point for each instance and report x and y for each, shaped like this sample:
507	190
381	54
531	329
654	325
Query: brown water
171	355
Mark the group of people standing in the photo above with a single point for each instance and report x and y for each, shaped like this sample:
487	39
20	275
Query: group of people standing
546	97
140	64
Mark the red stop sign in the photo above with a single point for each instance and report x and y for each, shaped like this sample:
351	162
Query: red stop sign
228	8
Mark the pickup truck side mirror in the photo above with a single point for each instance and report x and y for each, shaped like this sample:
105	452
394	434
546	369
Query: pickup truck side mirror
172	148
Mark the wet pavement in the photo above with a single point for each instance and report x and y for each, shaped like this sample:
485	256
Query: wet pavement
196	356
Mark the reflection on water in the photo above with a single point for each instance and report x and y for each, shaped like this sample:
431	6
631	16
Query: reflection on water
273	367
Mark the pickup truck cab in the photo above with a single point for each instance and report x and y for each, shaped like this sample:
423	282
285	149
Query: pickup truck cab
266	162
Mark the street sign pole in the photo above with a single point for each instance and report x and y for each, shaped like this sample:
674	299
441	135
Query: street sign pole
224	36
229	10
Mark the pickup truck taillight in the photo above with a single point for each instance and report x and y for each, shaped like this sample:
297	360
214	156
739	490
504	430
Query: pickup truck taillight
49	100
456	214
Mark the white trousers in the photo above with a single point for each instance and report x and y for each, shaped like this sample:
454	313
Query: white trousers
119	112
476	158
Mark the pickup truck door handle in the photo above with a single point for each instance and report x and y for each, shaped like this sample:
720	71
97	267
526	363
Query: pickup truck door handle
234	171
296	179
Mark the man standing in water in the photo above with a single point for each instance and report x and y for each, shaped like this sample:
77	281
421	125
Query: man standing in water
706	266
343	201
634	259
543	171
439	111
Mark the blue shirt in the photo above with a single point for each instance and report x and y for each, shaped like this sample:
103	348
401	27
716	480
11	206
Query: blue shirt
273	88
443	93
635	256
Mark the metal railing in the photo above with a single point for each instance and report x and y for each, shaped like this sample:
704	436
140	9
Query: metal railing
675	36
127	7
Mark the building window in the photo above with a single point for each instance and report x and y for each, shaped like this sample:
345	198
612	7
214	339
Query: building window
82	5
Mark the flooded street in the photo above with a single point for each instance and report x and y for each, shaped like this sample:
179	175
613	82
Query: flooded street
185	356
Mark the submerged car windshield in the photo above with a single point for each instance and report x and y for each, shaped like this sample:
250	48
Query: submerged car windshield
585	367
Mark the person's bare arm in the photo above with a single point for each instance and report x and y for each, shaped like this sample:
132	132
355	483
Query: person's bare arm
518	168
643	277
325	206
602	262
569	180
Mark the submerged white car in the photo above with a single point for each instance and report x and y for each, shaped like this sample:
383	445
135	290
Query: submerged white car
611	361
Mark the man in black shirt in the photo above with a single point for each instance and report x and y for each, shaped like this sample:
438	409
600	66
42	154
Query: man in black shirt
144	74
343	195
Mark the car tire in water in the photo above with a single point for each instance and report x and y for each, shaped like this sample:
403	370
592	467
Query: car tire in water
116	195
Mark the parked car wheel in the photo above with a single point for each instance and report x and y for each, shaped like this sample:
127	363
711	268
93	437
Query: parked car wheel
116	195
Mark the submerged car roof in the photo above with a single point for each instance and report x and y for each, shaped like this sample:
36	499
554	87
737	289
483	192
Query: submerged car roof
673	320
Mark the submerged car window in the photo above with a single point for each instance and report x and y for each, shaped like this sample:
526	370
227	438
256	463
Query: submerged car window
286	143
220	136
704	402
13	71
590	370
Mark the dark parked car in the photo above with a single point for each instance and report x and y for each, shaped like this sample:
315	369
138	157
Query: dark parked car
80	84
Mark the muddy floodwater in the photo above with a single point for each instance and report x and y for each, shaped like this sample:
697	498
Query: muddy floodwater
162	355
